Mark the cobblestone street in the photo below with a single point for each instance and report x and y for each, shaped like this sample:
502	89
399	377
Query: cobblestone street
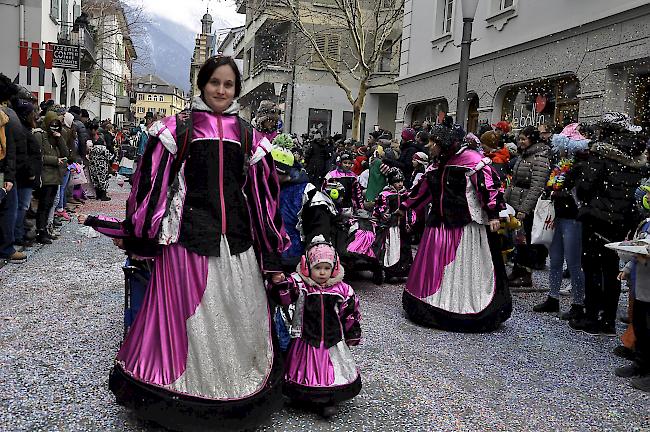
61	325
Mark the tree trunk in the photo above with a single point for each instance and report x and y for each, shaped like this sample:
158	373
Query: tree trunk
357	106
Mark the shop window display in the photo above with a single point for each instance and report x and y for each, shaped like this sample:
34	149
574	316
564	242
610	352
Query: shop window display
542	101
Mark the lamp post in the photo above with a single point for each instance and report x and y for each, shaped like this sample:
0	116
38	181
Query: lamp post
469	10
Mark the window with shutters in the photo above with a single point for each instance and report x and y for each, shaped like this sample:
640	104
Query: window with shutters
76	11
55	10
330	46
386	60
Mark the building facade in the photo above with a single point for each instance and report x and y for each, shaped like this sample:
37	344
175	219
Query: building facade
153	95
531	61
280	65
226	45
28	28
106	89
204	48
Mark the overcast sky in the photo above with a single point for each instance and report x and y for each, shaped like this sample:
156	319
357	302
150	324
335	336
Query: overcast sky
189	12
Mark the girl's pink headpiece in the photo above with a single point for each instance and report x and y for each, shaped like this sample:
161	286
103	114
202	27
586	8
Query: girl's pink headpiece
321	253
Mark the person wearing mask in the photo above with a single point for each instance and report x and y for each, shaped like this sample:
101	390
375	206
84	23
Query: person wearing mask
55	162
529	177
9	127
605	186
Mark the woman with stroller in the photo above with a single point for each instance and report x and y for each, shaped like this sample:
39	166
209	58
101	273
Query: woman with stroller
458	279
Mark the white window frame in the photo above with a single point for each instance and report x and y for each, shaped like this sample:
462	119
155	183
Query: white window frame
161	98
500	14
140	96
149	98
442	31
153	86
140	110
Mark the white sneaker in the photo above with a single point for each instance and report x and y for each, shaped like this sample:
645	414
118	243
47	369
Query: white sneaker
566	291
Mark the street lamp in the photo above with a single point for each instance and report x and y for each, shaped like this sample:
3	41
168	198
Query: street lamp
469	10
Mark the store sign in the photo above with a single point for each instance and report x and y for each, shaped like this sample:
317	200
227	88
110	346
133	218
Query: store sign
65	56
525	117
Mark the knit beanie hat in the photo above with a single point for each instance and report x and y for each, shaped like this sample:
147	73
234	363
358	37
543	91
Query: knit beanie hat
408	134
22	107
421	157
490	140
68	119
320	252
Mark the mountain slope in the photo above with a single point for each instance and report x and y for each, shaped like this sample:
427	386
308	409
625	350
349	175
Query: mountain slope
165	47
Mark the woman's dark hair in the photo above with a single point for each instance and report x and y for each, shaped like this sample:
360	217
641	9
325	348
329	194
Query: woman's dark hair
211	64
531	133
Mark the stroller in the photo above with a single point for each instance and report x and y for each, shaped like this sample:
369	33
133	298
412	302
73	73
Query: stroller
355	241
127	162
136	279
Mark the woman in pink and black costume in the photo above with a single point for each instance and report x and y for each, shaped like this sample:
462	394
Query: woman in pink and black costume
320	371
458	280
201	352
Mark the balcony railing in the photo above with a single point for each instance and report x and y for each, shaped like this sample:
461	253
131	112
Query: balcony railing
82	38
270	65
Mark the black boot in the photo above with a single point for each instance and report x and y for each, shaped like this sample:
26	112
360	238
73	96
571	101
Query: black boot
641	383
524	280
42	237
629	371
550	305
576	311
516	272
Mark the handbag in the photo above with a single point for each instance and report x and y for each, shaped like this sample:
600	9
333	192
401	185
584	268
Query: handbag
78	176
543	223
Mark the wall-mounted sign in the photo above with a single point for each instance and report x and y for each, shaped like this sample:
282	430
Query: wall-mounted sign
65	56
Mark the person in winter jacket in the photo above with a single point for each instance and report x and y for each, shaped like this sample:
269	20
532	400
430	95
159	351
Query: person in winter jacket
292	187
9	127
567	236
55	160
408	147
605	185
376	178
317	159
28	165
637	272
81	131
529	178
320	370
496	151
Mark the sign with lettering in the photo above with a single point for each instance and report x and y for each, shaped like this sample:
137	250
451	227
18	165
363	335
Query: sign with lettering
527	118
65	56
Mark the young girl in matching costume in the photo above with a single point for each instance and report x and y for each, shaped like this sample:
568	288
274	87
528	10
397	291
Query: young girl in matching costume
320	370
395	243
